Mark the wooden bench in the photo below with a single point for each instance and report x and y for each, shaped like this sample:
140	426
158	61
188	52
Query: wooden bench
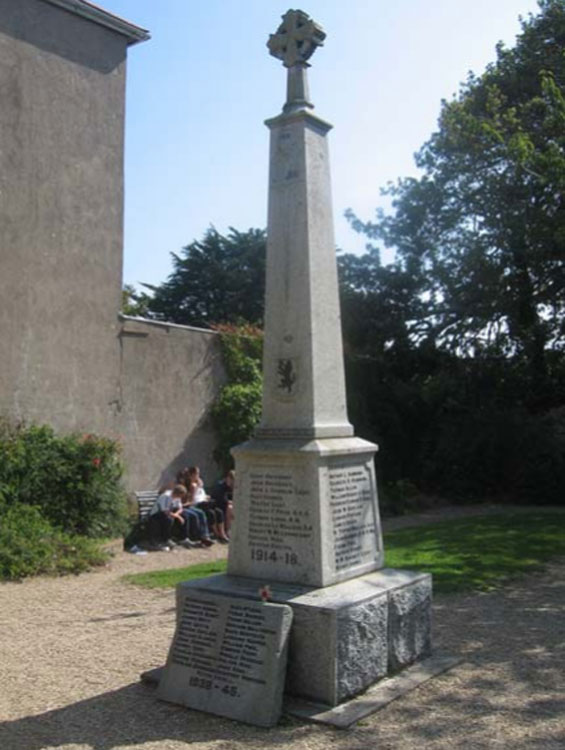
145	501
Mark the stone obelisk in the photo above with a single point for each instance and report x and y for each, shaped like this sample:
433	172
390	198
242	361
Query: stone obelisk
306	495
307	534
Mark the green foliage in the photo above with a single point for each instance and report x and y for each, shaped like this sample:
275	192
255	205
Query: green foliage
463	428
483	230
135	303
477	553
455	353
500	452
74	480
162	579
30	545
242	350
220	279
237	409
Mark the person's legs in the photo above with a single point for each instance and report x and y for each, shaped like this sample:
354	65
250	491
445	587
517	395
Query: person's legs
218	526
159	527
167	524
226	506
204	530
228	514
192	523
209	515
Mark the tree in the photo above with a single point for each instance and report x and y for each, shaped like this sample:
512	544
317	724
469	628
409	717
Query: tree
484	228
383	306
220	279
458	346
134	303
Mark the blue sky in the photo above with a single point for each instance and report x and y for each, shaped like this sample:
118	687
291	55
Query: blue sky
199	91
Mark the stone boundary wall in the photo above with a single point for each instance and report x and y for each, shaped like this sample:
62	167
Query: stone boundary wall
169	378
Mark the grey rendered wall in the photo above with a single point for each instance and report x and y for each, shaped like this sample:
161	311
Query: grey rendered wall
170	376
66	358
61	205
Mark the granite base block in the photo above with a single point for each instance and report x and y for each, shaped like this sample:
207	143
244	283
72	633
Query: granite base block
409	624
345	637
376	697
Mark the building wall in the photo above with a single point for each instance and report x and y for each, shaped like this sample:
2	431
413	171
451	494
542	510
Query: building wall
170	375
66	357
61	204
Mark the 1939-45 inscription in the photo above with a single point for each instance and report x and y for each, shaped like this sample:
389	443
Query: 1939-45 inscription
222	652
228	656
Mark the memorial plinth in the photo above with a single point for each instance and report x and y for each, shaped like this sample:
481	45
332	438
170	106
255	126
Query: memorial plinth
343	637
307	525
307	512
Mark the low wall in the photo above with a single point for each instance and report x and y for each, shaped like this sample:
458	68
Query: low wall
169	378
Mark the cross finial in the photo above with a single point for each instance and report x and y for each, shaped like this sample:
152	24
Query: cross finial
294	43
296	38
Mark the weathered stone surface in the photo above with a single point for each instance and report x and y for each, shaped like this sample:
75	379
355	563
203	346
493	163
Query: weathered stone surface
307	511
304	383
410	615
62	80
361	634
342	635
67	359
228	656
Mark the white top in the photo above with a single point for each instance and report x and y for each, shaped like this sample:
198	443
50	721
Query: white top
199	496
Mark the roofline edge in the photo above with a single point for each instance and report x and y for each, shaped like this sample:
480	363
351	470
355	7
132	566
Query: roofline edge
91	12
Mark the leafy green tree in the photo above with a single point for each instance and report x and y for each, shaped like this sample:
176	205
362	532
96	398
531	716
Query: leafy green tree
483	230
134	303
383	307
455	357
219	279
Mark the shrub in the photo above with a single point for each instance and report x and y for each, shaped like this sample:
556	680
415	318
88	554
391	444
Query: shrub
74	480
237	409
506	452
30	545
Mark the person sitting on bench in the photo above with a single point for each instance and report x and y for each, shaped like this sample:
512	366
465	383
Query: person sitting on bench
222	496
199	499
165	511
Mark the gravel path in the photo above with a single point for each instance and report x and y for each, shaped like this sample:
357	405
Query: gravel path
72	649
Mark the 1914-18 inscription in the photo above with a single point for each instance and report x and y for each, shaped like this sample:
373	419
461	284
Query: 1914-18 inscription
225	654
353	515
280	522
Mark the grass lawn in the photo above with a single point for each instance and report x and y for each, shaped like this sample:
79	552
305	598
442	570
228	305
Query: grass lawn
478	553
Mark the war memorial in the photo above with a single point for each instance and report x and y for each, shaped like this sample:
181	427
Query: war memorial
306	608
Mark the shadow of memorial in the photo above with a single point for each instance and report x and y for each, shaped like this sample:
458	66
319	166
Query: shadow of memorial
129	716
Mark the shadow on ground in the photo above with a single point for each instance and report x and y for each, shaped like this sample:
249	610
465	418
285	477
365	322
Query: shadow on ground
129	716
509	692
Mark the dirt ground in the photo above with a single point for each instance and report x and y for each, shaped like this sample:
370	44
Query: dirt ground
72	649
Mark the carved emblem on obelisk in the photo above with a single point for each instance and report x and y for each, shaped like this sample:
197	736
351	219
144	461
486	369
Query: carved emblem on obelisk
294	43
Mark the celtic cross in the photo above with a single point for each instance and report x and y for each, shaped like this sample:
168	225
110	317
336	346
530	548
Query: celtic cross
294	43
